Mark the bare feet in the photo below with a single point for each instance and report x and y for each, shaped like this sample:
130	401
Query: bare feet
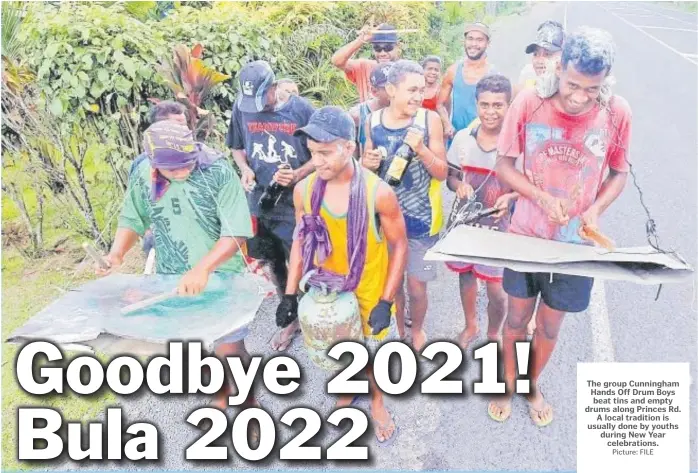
419	339
539	409
283	338
468	335
383	423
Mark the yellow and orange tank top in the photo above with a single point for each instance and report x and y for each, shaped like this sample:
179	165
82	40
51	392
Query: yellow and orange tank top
375	273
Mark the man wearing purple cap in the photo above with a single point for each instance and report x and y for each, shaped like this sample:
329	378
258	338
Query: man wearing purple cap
272	160
385	49
360	217
195	203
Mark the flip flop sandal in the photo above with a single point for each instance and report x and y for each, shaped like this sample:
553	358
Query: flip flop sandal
505	413
390	440
536	414
284	346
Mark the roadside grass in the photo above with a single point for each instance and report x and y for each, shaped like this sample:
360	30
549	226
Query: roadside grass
27	287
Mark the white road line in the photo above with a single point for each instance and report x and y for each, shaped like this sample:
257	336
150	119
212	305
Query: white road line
656	13
642	15
666	28
601	341
656	39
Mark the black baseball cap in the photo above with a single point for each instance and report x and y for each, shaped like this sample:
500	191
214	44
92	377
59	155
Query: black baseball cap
379	74
385	37
328	124
550	37
255	79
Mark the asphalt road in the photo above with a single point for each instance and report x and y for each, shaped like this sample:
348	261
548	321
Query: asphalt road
656	69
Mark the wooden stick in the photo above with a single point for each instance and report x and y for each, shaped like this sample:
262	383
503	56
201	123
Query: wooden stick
95	256
414	30
148	302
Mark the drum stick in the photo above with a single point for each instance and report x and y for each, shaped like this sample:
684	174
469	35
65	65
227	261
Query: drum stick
96	256
145	303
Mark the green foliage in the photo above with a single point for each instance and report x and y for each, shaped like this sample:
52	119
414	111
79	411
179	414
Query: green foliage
12	13
95	66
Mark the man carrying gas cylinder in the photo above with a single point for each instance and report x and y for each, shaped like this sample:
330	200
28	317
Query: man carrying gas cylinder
346	218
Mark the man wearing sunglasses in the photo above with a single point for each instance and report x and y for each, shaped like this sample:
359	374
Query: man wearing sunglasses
457	104
358	71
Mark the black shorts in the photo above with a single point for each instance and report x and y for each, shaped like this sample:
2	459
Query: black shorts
561	292
272	242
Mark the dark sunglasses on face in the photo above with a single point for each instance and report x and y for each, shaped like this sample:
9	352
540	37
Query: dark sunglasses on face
379	48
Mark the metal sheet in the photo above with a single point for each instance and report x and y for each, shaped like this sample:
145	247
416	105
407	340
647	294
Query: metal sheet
229	302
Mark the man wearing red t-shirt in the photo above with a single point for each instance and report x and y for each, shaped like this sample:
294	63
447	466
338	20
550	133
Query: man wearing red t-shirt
385	49
574	151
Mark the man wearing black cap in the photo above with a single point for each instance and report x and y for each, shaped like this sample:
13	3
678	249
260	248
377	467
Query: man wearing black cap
385	49
261	135
361	216
546	48
380	99
457	105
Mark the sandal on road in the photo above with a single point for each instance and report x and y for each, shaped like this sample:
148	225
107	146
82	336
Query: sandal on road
279	344
543	416
493	408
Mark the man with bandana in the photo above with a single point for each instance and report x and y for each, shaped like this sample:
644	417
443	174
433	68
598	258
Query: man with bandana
193	199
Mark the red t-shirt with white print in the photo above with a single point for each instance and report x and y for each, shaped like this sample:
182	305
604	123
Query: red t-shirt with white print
567	156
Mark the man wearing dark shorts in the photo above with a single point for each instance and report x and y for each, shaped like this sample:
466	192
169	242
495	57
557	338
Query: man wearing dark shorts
574	150
261	135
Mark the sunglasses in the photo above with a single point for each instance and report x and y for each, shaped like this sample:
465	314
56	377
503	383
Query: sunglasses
379	48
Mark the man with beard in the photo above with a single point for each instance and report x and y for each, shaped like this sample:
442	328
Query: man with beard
385	49
457	94
419	189
575	165
547	47
359	216
474	151
261	135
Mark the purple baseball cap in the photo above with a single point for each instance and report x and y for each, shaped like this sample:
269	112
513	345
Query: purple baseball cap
170	145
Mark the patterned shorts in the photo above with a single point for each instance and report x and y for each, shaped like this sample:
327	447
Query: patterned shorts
480	271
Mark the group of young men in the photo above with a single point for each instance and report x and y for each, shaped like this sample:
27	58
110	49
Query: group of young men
548	164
